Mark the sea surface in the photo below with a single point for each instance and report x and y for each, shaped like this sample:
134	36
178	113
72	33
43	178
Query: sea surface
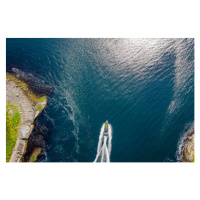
143	87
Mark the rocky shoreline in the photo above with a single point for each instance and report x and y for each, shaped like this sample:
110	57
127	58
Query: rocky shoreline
188	151
30	107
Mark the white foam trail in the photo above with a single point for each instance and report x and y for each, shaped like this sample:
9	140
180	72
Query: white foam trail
109	138
104	145
100	138
102	155
98	155
107	155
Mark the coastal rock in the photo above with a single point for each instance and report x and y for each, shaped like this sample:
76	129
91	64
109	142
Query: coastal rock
40	106
38	86
35	142
25	100
188	152
35	155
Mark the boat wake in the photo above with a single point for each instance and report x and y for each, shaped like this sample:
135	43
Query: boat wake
104	145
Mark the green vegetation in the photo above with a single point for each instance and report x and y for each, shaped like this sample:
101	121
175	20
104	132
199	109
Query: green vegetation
34	155
12	122
39	107
192	153
34	158
191	149
192	158
42	98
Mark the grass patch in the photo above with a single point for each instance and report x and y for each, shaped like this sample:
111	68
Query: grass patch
39	107
12	122
192	153
191	149
192	158
34	158
42	98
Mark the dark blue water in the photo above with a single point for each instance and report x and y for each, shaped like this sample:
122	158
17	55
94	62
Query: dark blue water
143	87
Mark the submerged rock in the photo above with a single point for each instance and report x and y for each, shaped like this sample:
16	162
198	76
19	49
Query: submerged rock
37	85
